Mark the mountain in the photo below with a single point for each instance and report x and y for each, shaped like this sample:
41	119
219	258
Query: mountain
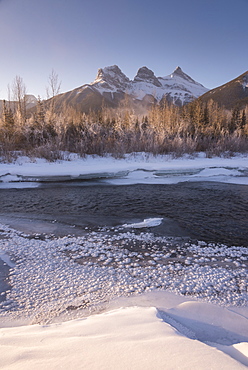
178	87
230	95
31	102
112	88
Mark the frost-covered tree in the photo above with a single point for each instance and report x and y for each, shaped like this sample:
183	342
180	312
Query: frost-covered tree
19	93
53	89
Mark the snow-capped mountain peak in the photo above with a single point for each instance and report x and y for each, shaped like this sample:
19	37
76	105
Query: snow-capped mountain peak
178	72
145	74
111	87
110	78
177	87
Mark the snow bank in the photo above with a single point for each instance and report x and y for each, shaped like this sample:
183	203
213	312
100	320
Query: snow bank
132	169
134	337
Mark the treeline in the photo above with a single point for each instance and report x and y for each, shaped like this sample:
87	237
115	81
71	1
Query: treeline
166	128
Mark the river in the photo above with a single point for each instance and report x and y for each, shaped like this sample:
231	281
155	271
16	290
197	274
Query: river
206	211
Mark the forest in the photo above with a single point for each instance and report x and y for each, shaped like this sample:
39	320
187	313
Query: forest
45	132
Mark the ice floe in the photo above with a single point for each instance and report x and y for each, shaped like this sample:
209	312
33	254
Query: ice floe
148	222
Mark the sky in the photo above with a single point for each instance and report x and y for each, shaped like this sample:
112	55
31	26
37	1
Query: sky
207	38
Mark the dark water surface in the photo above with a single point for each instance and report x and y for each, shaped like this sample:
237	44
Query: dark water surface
204	210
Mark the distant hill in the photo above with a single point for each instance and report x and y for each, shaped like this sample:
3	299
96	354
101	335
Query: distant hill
230	95
31	102
112	87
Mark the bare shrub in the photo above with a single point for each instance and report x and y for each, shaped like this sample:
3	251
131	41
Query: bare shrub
165	130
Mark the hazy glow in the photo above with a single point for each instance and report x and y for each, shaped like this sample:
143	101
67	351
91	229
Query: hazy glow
207	39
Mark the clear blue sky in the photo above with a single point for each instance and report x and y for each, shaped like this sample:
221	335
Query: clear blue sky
208	39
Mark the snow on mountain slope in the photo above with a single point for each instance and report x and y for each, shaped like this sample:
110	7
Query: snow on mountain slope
181	86
177	87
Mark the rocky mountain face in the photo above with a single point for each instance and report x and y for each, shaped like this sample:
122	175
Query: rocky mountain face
232	94
112	88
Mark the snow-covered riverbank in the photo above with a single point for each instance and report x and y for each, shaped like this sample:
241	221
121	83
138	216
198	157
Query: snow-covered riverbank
155	331
133	168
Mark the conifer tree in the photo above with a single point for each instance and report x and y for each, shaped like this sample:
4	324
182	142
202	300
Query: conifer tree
8	119
40	114
243	120
235	120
